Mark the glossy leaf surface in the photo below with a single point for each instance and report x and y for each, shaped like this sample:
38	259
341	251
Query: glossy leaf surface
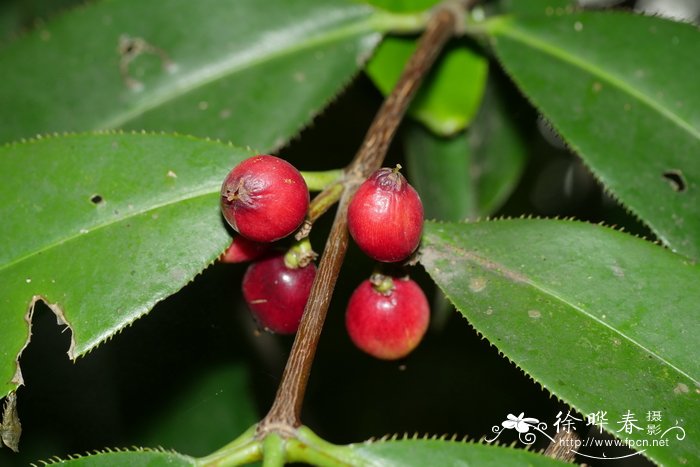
600	318
440	170
102	227
539	7
404	5
241	70
621	90
420	452
146	457
449	98
498	145
471	174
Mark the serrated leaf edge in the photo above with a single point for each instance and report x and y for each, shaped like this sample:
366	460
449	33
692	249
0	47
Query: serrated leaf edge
611	78
613	227
599	177
117	132
57	310
106	451
451	439
361	60
517	277
502	354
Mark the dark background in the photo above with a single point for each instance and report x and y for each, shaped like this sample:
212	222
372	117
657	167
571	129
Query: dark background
455	383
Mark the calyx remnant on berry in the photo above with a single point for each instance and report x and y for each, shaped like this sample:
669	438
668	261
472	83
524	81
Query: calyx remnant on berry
264	198
385	216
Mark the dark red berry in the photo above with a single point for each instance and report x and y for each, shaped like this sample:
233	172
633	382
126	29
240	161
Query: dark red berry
264	198
242	250
385	217
277	294
387	324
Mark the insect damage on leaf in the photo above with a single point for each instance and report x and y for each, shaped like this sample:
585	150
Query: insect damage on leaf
131	47
18	379
676	180
11	428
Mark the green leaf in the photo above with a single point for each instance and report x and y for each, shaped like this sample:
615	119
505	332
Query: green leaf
620	89
499	150
11	18
420	452
310	448
206	414
538	7
431	158
243	70
101	227
450	96
146	457
602	319
403	5
18	15
477	170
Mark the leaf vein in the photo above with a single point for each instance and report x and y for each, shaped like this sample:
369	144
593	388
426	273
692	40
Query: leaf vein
238	62
511	274
588	66
188	196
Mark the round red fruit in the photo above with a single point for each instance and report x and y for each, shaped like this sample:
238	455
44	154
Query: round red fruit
385	217
276	294
264	198
242	250
387	324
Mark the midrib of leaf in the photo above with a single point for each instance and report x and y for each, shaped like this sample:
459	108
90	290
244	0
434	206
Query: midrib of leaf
116	220
502	27
617	331
238	62
476	259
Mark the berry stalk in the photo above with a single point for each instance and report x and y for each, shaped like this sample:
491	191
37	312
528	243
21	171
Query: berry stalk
318	181
284	416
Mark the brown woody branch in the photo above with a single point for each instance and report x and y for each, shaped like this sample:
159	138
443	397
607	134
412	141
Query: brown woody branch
284	416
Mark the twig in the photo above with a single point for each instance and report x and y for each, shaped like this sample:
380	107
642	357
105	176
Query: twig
284	416
562	447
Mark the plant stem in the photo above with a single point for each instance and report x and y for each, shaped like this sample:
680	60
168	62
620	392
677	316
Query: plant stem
273	451
244	449
284	416
317	181
310	448
319	205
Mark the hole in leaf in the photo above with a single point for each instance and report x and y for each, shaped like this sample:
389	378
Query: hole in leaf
96	199
675	179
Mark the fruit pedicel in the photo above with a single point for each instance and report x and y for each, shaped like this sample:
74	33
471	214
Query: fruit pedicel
265	198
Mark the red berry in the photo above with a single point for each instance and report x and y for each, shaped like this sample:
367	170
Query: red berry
242	250
277	294
387	325
264	198
385	217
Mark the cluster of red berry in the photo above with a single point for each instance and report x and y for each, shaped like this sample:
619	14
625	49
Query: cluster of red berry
265	198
